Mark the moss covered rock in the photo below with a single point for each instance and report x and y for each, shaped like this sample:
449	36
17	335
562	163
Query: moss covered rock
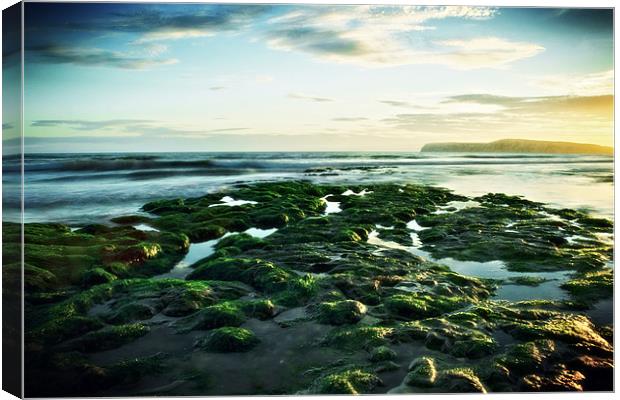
228	339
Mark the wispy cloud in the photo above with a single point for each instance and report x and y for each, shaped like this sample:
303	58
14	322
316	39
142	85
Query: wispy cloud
132	127
216	88
84	125
592	84
349	119
504	116
301	96
369	36
379	36
54	54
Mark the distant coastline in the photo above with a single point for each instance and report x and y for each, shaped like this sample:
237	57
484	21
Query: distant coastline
520	146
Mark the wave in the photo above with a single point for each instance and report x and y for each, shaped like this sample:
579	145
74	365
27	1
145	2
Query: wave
151	166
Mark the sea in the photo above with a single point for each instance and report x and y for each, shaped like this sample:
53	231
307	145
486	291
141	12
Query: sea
79	189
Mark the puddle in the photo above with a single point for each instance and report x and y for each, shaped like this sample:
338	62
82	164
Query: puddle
548	290
331	207
260	233
229	201
384	227
552	217
145	228
457	205
196	252
350	192
414	226
575	239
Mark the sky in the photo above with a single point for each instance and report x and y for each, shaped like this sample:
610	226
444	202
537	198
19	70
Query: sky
192	77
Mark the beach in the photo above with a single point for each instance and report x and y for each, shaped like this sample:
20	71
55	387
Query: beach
313	273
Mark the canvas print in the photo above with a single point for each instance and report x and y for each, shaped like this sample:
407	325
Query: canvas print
297	199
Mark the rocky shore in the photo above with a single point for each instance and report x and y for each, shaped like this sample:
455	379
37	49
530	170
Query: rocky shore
297	288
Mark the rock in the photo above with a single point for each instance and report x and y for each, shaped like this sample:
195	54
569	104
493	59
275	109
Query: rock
341	312
382	353
459	380
228	339
422	372
355	381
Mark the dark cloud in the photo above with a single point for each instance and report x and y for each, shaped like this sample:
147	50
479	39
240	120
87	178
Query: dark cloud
54	54
317	41
169	21
7	125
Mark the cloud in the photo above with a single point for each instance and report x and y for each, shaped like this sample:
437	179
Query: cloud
301	96
484	52
380	36
368	36
7	125
130	127
550	117
350	119
153	24
54	54
84	125
395	103
591	84
216	88
601	105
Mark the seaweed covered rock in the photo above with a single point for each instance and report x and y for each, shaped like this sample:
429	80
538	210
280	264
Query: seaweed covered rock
422	372
260	274
228	339
341	312
354	381
382	353
349	290
110	338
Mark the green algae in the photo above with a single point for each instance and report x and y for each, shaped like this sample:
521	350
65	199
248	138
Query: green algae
375	299
354	381
228	339
341	312
382	353
109	338
422	372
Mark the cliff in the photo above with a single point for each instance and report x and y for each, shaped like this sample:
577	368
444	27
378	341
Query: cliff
520	146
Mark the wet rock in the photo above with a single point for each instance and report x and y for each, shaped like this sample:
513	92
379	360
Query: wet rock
422	372
228	339
109	338
354	381
341	312
561	380
459	380
382	353
131	312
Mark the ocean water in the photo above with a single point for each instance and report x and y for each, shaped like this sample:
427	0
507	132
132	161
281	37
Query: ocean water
85	188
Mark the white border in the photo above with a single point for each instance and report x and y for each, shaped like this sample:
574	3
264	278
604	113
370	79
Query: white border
503	3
